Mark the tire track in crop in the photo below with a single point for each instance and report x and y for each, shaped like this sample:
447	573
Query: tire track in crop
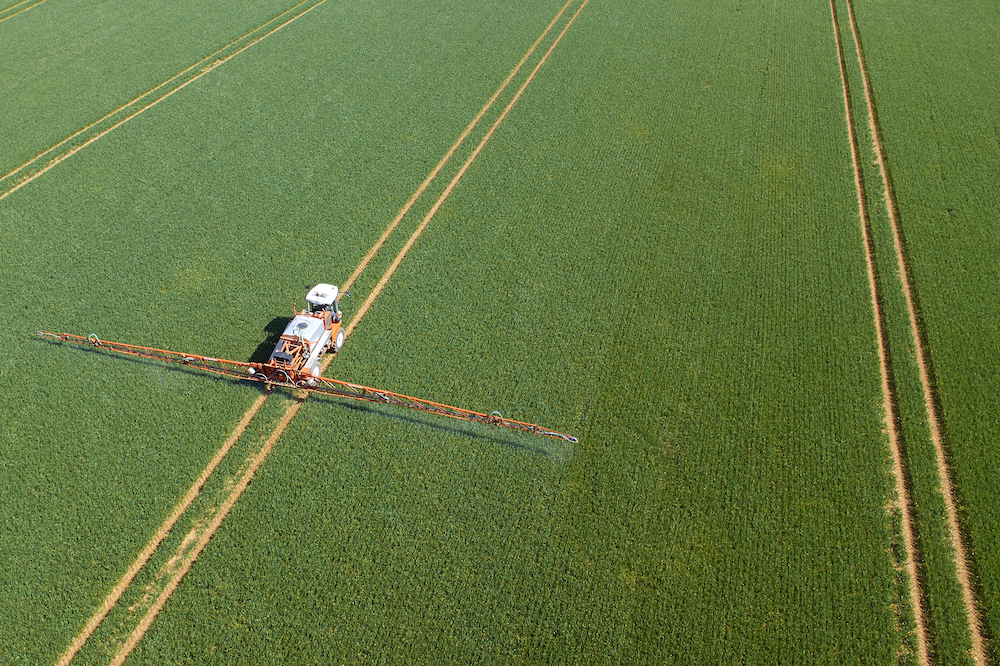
207	534
14	6
76	142
444	160
182	560
923	363
259	458
20	11
123	584
889	404
454	181
119	589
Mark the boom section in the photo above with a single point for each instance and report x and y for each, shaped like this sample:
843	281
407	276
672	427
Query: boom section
342	389
276	374
217	365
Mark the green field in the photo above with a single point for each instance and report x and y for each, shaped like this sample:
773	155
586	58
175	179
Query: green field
940	121
658	251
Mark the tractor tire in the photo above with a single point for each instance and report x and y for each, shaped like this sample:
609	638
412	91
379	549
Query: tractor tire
338	344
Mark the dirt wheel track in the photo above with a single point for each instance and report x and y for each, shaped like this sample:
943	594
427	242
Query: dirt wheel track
923	362
903	502
23	174
119	589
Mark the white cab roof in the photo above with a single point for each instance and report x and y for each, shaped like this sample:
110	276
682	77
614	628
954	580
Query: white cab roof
323	294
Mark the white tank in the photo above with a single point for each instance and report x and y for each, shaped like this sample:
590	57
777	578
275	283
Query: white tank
310	329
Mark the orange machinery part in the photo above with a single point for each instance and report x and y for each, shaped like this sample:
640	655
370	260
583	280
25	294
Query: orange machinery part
293	378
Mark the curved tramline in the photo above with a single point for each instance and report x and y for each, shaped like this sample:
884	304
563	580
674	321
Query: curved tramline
295	363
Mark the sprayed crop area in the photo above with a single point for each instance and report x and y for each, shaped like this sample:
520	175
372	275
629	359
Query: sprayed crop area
646	235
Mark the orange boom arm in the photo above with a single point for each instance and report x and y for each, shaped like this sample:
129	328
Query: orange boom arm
272	374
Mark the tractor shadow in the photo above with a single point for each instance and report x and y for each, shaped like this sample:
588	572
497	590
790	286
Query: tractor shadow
274	329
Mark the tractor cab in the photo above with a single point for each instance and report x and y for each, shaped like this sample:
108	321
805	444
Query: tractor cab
323	298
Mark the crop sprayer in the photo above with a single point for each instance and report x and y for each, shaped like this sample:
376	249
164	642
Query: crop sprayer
295	363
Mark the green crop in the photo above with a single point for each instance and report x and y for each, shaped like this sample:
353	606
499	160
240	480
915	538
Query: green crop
658	251
932	107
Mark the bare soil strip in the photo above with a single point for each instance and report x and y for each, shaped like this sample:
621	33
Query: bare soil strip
902	503
154	543
259	458
203	66
206	536
454	181
433	174
9	16
944	475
